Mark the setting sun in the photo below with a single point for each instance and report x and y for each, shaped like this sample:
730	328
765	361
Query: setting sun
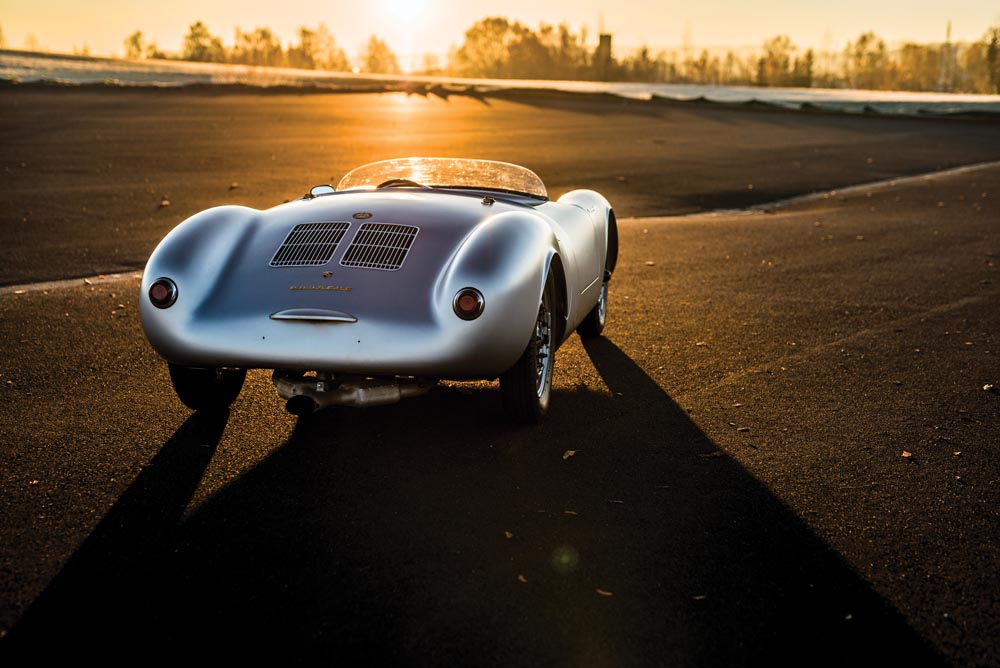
406	10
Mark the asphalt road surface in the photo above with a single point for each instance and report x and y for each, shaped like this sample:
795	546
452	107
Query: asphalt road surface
86	172
781	452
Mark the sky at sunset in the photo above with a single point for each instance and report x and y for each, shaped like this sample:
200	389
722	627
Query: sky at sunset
415	27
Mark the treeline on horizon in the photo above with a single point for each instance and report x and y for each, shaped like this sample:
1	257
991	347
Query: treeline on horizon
498	48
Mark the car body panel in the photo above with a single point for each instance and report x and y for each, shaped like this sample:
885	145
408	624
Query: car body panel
375	322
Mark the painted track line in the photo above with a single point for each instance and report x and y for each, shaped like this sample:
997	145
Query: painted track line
819	196
89	281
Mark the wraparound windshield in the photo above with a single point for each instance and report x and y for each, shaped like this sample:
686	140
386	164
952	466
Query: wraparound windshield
447	172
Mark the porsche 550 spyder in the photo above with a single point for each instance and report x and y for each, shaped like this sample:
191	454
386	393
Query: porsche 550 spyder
411	271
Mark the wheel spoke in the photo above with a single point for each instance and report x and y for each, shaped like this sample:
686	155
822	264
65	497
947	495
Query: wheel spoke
543	346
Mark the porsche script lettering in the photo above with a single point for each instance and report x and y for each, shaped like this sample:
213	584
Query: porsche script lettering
335	288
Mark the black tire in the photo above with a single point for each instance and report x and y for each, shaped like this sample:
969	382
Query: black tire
526	387
207	389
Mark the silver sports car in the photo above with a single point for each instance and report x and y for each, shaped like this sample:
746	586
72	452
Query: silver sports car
410	271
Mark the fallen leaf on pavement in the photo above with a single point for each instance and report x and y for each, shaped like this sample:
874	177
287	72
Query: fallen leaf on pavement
568	454
522	579
906	454
602	592
508	534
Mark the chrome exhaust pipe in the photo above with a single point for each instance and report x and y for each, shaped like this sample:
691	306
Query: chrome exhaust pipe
301	405
308	395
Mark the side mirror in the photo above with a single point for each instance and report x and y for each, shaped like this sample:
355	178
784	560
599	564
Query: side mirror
317	191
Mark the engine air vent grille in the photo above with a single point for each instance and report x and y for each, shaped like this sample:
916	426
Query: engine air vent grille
309	245
380	246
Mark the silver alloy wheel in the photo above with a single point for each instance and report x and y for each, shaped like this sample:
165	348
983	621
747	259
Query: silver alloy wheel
526	387
543	350
602	304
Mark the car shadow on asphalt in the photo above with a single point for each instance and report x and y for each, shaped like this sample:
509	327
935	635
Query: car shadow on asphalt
432	533
126	547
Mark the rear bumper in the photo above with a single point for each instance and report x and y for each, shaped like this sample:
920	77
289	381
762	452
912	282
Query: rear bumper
454	349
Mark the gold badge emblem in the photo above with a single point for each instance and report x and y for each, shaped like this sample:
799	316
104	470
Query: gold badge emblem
333	288
327	274
362	215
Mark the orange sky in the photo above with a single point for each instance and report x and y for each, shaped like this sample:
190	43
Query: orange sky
415	27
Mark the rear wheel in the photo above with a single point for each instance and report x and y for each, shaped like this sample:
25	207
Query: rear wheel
206	389
526	387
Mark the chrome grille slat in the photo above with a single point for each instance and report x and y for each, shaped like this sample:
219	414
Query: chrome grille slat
380	246
309	245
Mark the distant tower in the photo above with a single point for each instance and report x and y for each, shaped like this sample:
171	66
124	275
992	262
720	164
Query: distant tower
602	57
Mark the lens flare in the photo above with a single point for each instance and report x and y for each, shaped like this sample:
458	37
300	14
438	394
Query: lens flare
565	559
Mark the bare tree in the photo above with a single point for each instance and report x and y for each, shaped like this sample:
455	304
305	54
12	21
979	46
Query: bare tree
328	55
774	67
303	56
200	45
259	47
867	59
135	46
485	49
378	58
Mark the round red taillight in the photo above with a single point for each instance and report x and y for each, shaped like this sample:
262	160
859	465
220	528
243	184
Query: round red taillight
163	293
469	304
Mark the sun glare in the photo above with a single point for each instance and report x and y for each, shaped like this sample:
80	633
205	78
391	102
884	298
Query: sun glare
406	10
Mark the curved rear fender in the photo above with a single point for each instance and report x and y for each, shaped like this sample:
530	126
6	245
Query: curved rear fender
592	202
193	255
600	210
202	243
507	258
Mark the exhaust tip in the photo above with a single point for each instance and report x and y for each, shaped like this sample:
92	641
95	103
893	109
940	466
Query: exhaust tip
301	405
